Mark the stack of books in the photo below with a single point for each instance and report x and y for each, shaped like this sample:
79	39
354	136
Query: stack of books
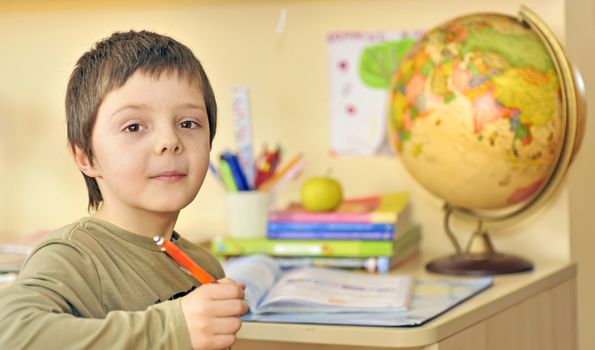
14	252
371	233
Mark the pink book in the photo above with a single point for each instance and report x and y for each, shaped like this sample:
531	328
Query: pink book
384	208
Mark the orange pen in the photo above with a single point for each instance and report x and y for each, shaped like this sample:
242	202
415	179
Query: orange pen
184	260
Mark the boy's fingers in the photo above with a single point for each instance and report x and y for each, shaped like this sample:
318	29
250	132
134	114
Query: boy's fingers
226	280
223	291
229	308
226	325
222	341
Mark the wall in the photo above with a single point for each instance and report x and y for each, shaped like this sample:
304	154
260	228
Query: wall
580	26
287	76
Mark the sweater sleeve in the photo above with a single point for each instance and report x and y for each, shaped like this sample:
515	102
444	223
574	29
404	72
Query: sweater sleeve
56	303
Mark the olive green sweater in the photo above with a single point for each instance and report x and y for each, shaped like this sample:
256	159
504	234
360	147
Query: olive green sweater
93	285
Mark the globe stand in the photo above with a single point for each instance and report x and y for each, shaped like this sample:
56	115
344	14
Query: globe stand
479	258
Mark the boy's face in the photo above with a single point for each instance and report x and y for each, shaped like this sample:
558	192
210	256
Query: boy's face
151	144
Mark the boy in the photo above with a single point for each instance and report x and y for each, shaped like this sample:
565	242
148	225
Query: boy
141	118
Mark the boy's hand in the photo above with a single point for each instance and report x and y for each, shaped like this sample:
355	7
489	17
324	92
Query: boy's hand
212	313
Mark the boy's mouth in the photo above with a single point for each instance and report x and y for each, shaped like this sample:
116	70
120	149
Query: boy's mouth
169	176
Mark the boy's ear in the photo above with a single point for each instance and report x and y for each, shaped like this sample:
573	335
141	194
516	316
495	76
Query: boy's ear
82	161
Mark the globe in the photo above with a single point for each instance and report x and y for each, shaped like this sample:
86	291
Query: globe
486	113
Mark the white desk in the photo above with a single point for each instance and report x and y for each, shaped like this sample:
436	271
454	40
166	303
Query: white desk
535	310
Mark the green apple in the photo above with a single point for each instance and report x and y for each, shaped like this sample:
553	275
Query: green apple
321	193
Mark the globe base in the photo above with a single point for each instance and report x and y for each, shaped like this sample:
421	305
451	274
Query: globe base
479	265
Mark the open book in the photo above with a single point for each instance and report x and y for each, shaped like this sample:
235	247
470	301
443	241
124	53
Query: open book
326	296
315	289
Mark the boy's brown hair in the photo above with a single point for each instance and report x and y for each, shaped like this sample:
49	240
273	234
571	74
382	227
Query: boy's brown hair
108	66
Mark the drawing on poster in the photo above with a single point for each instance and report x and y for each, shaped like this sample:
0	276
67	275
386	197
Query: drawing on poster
361	65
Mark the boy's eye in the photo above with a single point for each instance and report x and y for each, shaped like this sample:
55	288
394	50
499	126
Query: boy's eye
189	124
134	127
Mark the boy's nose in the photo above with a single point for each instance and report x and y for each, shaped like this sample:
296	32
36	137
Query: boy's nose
167	148
169	143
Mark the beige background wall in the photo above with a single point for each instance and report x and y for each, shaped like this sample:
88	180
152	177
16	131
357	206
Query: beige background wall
40	41
580	27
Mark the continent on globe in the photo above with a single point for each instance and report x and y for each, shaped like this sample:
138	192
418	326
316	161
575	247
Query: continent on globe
476	109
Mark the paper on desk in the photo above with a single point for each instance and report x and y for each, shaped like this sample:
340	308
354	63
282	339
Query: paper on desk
7	277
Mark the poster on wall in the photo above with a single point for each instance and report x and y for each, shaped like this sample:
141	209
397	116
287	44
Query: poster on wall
361	66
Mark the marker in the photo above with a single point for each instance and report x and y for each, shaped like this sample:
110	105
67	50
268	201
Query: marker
236	171
184	260
227	176
267	165
281	173
215	172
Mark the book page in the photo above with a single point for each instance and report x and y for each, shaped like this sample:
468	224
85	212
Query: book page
258	272
298	298
314	289
431	298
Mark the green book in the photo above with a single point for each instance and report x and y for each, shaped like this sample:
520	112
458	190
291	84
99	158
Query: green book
278	247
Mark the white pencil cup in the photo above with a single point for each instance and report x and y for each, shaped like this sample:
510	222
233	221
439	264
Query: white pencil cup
248	213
